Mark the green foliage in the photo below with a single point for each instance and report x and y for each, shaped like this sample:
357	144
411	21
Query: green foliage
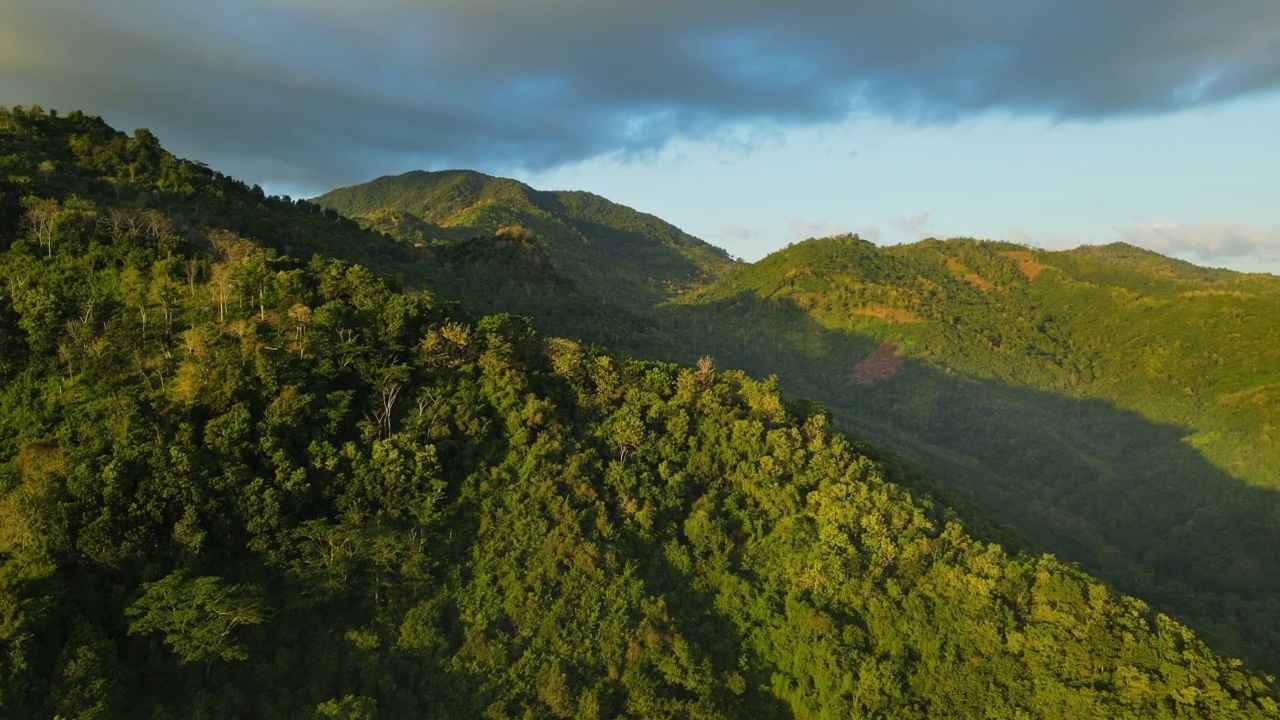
1113	406
617	255
198	617
234	483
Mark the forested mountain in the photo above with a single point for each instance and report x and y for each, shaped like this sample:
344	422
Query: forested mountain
1113	405
626	258
240	476
1116	407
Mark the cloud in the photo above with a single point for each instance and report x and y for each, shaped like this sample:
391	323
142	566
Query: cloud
914	225
869	232
1208	241
802	229
1018	235
320	92
738	232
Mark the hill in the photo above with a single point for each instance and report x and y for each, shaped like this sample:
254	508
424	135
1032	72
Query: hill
1114	406
618	255
238	482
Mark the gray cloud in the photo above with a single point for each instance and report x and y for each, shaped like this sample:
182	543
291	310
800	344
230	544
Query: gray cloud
1208	241
313	93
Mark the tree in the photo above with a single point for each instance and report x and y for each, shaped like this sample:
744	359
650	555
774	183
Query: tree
197	616
255	276
388	380
156	225
42	216
301	316
134	289
222	282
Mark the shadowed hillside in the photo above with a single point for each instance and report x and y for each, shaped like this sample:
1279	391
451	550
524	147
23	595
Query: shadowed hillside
1108	402
235	482
1086	398
614	253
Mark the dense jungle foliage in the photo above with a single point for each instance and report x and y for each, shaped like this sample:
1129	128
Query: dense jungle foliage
1117	407
240	477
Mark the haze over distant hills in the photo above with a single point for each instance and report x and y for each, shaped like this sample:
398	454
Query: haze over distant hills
256	461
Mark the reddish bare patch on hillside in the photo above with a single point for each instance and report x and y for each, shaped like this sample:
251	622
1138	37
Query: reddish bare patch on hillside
889	314
1026	264
957	269
879	365
978	281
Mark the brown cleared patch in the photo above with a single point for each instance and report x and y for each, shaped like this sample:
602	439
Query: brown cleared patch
1026	264
879	365
889	314
978	281
961	271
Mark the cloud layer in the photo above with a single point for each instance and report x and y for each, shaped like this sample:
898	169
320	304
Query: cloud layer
1207	242
320	92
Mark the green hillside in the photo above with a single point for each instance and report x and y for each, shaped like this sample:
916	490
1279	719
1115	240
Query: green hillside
615	254
1115	406
243	481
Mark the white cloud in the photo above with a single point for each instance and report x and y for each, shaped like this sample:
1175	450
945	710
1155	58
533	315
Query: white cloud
1207	240
738	231
1020	236
869	232
914	225
802	229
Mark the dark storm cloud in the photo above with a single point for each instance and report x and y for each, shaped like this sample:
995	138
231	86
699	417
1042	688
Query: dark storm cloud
313	93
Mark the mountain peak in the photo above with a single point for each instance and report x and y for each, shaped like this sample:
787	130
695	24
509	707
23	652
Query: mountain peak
613	252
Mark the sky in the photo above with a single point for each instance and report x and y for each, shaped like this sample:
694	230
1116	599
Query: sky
749	123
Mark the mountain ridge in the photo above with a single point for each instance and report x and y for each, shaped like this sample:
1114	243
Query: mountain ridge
999	339
652	259
1010	374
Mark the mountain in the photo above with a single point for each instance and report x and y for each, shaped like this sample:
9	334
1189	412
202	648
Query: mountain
616	254
1114	406
240	476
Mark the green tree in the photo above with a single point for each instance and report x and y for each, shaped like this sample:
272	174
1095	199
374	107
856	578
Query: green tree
198	616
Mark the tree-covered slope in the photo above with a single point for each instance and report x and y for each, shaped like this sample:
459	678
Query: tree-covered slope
615	254
1115	406
79	157
238	483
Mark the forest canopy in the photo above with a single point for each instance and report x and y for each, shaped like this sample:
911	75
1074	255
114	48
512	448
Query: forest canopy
243	476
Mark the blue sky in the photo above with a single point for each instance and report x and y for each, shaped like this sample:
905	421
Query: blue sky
1200	183
751	123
